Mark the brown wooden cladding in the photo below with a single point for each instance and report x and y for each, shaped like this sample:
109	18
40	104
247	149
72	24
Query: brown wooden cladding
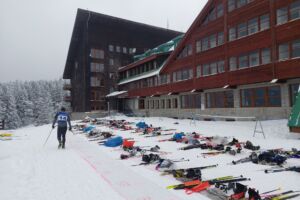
269	38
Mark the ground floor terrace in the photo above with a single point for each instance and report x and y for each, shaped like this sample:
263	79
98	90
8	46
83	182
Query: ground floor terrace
262	100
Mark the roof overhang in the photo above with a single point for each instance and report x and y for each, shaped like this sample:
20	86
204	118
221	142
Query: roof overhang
117	94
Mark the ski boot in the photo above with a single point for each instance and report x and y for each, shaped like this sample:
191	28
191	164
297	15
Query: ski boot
63	145
59	145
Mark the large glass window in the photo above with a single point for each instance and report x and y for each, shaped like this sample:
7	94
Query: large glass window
219	99
295	10
264	22
296	48
274	96
261	97
111	48
253	26
254	58
265	56
282	15
283	51
97	53
242	30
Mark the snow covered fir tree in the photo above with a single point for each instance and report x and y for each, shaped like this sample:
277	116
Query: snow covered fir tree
30	102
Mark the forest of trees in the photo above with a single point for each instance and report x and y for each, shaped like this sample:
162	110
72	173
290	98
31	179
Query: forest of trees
30	102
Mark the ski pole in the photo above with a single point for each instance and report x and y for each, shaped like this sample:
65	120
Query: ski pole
48	136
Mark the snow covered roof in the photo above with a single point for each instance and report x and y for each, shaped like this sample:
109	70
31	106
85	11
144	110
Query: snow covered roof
116	93
139	77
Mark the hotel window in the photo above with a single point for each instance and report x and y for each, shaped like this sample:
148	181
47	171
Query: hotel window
190	101
261	97
97	53
220	10
199	71
296	48
212	15
265	56
212	41
111	61
118	49
231	5
206	70
205	44
294	88
253	26
168	104
175	103
219	99
242	30
213	68
111	48
97	67
254	58
124	50
241	3
220	38
232	34
295	10
162	104
232	64
141	104
198	46
283	51
221	67
243	61
96	82
282	15
264	22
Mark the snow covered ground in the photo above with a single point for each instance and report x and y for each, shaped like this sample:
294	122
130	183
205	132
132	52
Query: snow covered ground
85	170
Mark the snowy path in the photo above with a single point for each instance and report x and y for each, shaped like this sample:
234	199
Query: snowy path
81	171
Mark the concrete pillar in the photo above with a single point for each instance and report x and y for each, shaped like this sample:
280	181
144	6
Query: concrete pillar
236	98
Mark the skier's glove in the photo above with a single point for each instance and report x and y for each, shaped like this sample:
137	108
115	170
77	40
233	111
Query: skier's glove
53	126
70	128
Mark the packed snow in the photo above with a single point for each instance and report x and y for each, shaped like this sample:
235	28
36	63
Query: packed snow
87	170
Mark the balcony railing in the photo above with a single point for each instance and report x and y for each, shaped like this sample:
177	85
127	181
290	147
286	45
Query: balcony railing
67	98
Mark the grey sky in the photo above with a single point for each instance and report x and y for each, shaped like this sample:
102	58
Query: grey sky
35	34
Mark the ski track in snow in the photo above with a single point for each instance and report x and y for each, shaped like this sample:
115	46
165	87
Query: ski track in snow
85	170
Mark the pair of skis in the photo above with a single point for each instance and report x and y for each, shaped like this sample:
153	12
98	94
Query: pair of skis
166	172
282	195
293	168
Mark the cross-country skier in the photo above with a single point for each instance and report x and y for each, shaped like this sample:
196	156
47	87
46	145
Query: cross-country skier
62	118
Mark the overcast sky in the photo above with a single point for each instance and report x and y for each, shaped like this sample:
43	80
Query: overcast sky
35	34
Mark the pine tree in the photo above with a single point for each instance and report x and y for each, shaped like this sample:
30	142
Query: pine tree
12	119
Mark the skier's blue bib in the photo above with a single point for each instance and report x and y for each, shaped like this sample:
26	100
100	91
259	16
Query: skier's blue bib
62	118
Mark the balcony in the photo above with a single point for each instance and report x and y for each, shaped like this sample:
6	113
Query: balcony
67	86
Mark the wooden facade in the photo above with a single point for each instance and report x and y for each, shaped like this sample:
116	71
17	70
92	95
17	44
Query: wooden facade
242	46
100	44
268	38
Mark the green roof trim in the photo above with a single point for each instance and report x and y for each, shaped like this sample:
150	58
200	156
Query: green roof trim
163	48
294	120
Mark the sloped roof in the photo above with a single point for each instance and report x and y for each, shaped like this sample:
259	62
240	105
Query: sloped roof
182	42
163	48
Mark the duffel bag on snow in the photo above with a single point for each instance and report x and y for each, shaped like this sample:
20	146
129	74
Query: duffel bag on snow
114	142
